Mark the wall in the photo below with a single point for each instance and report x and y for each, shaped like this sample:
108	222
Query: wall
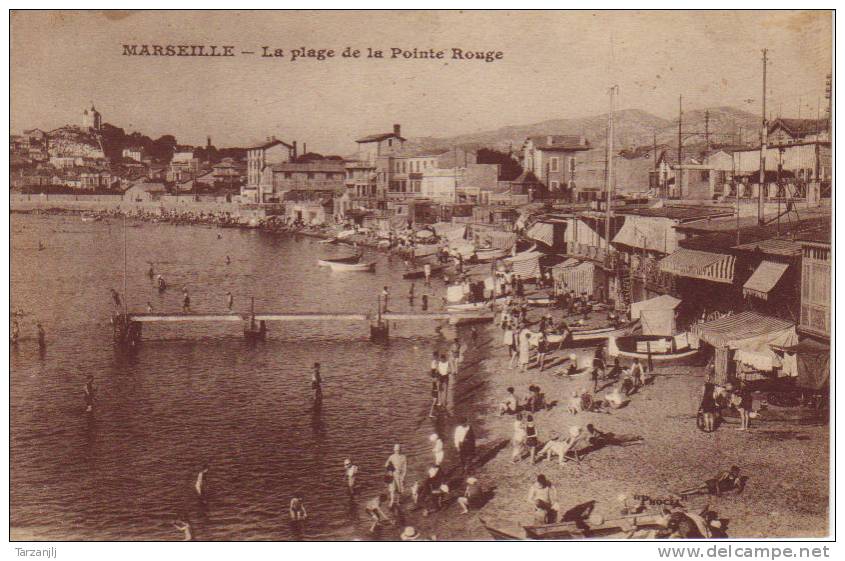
113	202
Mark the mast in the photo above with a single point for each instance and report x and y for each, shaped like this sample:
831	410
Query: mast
609	175
125	295
764	133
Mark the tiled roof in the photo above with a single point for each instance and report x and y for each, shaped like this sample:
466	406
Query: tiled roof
559	142
379	137
799	127
268	144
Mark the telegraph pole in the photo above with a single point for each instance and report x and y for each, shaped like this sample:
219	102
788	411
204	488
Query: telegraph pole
763	139
828	93
707	130
679	174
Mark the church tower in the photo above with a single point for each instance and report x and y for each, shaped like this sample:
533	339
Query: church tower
91	119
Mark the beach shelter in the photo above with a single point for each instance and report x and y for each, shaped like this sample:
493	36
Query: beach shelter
808	362
542	232
747	338
576	275
656	315
525	264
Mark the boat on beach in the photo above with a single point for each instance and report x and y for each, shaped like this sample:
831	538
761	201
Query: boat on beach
657	348
602	332
618	528
352	267
488	254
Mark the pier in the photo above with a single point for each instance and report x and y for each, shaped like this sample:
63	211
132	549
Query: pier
127	328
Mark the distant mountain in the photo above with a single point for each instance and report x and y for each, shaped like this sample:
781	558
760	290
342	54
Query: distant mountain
633	127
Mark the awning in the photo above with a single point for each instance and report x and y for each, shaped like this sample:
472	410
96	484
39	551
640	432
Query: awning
716	267
526	264
542	232
655	234
764	279
748	330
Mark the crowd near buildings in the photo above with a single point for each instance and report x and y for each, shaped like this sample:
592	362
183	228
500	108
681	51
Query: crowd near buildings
747	250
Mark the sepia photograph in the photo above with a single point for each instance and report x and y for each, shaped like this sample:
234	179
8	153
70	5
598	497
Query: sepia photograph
420	275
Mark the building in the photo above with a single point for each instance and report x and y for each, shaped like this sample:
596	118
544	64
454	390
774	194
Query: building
362	185
91	119
788	131
815	284
133	153
271	152
405	174
93	180
375	146
324	176
553	160
144	192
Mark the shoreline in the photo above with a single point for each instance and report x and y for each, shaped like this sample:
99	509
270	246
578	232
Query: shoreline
673	455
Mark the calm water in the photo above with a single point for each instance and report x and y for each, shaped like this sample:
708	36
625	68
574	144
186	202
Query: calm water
196	394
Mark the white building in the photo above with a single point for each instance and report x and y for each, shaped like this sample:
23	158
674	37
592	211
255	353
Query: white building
91	119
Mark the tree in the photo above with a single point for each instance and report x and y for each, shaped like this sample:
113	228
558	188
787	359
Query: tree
510	168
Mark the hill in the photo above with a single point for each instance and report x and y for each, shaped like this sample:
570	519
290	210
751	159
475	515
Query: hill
633	127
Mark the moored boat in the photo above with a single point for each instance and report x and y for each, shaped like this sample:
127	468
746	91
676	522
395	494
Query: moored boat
619	528
348	259
352	267
420	273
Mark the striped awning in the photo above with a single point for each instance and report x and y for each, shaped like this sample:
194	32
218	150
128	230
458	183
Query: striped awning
526	264
542	232
716	267
748	330
764	279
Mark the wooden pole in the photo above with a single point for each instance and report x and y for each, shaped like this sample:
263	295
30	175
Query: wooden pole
764	133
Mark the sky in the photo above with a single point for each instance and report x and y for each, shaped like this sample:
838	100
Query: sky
554	65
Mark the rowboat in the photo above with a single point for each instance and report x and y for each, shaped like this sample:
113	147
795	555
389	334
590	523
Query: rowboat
474	306
420	273
348	259
330	240
651	347
540	300
490	254
352	267
584	529
580	334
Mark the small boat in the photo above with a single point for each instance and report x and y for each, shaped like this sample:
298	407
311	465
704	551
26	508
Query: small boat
541	300
474	306
654	347
330	240
348	259
352	267
489	254
590	334
585	529
420	273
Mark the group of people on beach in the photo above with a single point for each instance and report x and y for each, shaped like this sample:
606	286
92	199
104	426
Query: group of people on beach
716	397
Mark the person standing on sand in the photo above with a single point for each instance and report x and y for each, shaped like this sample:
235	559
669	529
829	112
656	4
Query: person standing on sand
437	448
443	372
518	439
411	295
400	465
427	272
524	349
465	443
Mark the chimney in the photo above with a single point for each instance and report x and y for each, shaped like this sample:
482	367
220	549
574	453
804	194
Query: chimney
304	148
294	150
397	130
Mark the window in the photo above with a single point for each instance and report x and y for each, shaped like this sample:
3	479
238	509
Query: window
553	164
390	142
555	185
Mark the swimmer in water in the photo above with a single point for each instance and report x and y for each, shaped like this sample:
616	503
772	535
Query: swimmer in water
89	390
230	300
199	486
228	260
149	308
42	336
297	510
150	271
185	528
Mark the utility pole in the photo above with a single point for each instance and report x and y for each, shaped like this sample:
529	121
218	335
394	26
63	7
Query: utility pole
613	90
707	130
828	93
679	173
763	139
